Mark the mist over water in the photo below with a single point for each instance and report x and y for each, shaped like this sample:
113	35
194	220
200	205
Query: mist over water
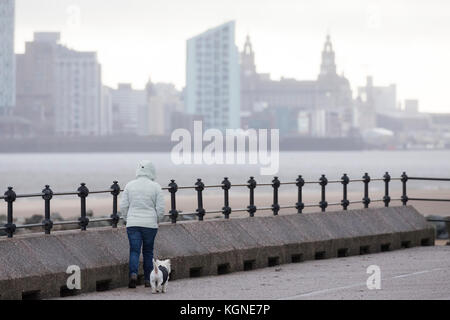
64	171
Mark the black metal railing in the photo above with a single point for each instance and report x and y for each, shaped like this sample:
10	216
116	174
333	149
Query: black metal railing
83	192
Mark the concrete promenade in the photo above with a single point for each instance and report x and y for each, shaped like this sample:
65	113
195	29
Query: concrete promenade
415	273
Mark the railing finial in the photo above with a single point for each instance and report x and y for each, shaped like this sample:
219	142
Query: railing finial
366	199
173	188
251	208
226	209
300	182
10	197
386	198
345	180
323	204
199	187
275	185
115	193
47	195
83	192
404	197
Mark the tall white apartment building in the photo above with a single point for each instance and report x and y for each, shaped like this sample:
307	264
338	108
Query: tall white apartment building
7	57
213	77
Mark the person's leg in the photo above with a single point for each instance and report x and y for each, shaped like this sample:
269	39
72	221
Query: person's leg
149	235
135	240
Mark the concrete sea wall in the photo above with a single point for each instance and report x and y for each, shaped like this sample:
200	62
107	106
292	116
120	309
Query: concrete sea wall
34	266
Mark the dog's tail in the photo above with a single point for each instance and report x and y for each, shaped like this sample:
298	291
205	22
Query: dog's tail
155	266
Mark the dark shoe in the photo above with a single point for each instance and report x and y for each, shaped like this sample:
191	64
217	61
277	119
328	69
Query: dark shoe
133	281
147	284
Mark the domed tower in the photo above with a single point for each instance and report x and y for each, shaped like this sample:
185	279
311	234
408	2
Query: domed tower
149	88
249	77
334	95
328	65
248	67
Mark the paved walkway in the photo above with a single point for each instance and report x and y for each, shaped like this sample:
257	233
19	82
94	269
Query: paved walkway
416	273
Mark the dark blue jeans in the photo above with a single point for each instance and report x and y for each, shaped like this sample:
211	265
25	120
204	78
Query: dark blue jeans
145	238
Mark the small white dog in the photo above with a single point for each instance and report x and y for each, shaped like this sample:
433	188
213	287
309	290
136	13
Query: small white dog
160	275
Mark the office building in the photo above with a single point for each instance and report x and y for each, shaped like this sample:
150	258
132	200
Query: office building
382	98
59	89
128	107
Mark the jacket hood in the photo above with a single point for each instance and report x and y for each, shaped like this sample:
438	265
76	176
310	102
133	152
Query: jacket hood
146	169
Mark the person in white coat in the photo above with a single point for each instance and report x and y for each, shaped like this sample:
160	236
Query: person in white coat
142	207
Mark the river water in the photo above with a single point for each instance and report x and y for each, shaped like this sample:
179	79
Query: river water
29	172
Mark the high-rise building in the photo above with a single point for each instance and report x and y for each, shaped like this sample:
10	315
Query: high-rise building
58	88
155	116
36	82
7	58
129	106
213	77
144	112
382	98
375	106
412	105
106	114
78	93
164	100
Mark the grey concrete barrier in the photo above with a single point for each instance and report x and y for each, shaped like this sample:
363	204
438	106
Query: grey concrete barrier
33	266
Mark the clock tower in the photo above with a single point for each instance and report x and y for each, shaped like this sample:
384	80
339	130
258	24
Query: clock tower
248	59
328	66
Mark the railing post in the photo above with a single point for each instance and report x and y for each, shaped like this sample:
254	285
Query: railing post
226	210
386	198
115	193
200	186
173	187
323	204
251	208
366	199
83	192
47	196
404	196
300	205
10	197
345	181
275	205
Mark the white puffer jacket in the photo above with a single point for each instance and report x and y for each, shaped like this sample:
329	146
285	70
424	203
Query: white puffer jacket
142	202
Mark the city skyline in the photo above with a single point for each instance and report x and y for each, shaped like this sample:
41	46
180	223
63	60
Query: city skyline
126	53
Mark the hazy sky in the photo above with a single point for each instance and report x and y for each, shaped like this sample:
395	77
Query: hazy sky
406	42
